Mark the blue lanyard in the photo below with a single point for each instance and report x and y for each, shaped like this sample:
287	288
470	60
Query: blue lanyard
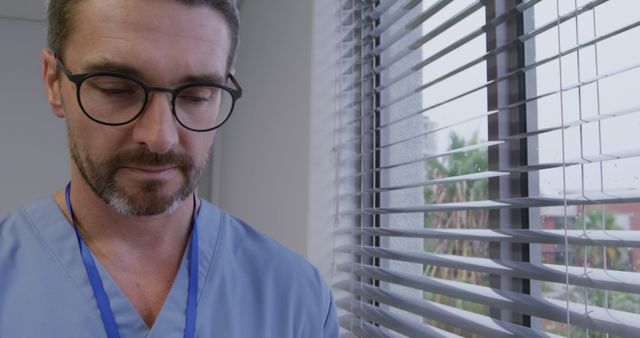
101	296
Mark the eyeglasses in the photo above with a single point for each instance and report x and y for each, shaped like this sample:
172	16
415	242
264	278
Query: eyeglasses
116	99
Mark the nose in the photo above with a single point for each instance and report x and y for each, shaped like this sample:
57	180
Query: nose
156	127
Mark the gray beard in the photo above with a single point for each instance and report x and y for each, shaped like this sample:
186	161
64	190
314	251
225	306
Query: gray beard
147	200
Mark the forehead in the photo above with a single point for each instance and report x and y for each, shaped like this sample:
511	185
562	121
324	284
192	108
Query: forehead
161	38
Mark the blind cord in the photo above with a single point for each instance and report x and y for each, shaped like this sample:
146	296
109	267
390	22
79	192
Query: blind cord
564	175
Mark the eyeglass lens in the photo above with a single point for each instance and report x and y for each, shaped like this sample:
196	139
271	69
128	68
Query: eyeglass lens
115	100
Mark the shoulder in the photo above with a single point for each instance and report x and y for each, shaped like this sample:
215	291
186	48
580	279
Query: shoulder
22	221
256	270
31	230
240	242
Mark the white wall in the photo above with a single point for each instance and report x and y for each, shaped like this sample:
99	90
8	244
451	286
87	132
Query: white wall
276	160
33	151
265	144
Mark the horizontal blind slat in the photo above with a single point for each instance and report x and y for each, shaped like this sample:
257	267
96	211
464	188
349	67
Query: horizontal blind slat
417	90
586	121
591	198
591	237
585	197
594	278
501	49
362	328
423	39
425	15
452	46
586	159
390	320
463	319
388	62
450	179
384	6
508	106
600	319
398	15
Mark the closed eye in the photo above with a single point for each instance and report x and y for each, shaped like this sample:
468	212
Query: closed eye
116	91
194	99
197	95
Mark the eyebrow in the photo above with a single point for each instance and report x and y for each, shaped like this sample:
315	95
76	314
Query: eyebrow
122	68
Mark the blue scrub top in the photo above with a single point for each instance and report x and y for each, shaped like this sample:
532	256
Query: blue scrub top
248	285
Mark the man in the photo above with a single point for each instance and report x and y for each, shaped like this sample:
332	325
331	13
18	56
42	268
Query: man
127	249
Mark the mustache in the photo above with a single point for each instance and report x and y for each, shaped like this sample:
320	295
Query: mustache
143	157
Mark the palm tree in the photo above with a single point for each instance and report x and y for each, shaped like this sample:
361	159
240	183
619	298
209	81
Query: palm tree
461	191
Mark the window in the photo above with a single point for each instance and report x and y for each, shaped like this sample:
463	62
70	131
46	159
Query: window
489	177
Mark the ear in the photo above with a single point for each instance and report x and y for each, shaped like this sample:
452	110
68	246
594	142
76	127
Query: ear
52	82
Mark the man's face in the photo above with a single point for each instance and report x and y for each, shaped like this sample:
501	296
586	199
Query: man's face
150	165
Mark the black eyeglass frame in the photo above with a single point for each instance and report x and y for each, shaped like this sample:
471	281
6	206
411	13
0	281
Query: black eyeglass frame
78	79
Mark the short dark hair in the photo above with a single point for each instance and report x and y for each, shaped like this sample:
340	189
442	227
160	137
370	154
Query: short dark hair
60	12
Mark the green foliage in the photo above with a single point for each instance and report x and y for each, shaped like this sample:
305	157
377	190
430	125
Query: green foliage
595	256
476	160
463	163
594	219
616	258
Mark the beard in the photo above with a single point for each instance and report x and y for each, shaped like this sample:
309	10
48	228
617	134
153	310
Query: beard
147	197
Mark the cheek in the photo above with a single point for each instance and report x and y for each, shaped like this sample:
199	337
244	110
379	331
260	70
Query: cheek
93	140
200	146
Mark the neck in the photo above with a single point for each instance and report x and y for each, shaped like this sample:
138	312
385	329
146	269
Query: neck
141	253
108	232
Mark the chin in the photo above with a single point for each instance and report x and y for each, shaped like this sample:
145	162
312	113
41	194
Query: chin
149	200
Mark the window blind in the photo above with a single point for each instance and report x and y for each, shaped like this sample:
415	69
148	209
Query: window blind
488	168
